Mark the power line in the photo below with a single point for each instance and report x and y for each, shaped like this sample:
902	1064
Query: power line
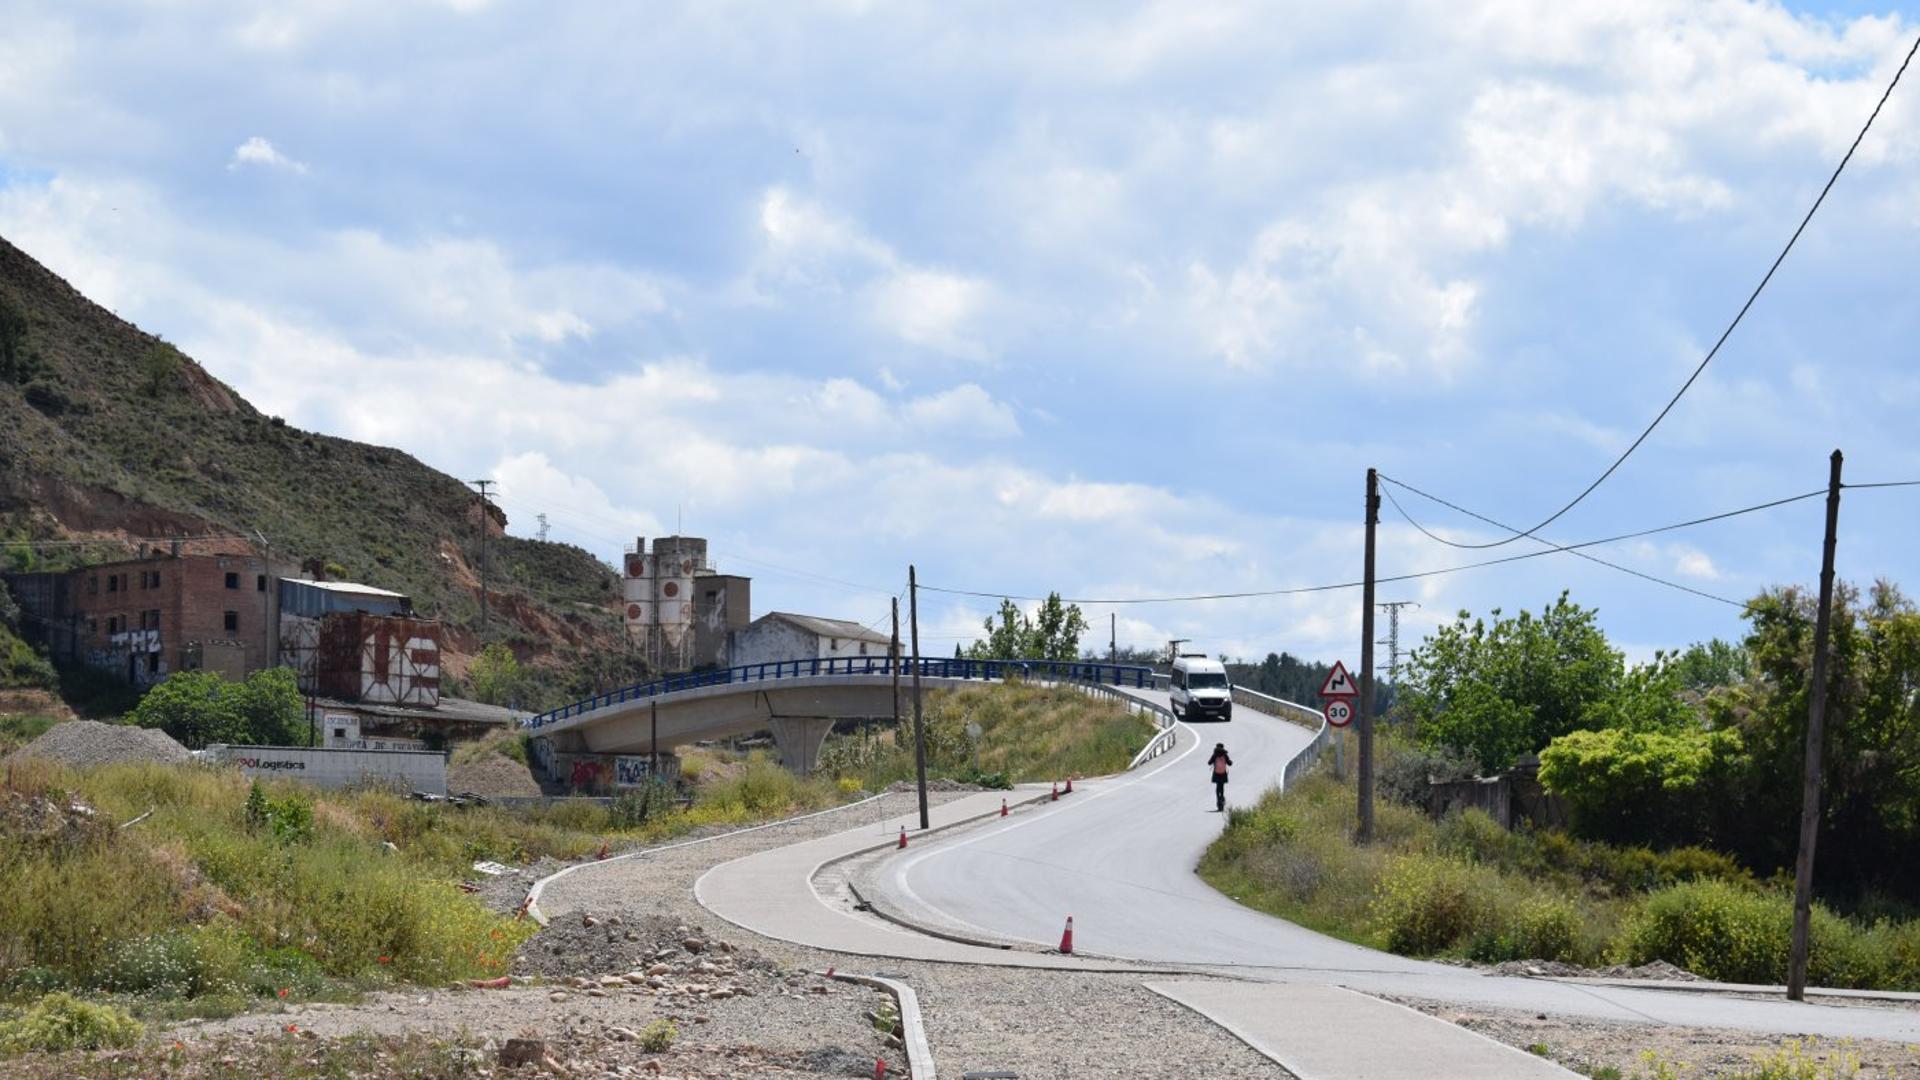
1887	484
123	541
1590	558
1724	334
1415	576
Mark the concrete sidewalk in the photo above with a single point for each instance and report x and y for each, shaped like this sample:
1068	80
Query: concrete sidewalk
1330	1033
771	893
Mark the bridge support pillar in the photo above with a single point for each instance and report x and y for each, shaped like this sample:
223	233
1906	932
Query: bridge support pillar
800	739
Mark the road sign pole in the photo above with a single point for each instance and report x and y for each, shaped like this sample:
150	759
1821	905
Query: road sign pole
1365	676
1816	742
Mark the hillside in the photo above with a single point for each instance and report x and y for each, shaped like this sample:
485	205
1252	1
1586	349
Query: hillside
107	431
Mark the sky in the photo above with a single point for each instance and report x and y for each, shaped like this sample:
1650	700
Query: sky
1119	299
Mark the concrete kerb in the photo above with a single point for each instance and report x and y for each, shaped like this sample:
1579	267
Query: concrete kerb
913	1029
533	894
1681	986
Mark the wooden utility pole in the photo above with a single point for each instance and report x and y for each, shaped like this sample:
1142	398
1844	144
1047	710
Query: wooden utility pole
1113	637
893	662
919	715
1816	744
1365	763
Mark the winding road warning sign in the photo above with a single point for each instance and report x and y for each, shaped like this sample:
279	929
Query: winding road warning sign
1339	683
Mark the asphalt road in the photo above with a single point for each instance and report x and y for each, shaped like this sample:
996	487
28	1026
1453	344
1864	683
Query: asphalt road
1119	858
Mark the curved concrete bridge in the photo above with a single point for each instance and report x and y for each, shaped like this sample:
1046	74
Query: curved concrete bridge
797	700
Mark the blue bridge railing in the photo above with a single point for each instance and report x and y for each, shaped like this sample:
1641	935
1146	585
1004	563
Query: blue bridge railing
1075	671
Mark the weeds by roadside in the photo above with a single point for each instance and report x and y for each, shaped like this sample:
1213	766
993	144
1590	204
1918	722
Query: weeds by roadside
1465	887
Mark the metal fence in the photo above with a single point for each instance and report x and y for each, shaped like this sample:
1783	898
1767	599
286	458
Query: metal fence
1074	671
1294	713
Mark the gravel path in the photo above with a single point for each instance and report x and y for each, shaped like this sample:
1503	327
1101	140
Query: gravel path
1587	1046
1038	1024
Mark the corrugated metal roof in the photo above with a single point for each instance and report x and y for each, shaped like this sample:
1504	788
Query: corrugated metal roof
831	628
346	587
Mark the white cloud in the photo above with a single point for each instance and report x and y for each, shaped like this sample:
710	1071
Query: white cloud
1688	562
258	151
965	409
807	247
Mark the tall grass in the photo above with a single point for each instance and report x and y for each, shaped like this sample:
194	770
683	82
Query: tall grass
1465	887
1027	733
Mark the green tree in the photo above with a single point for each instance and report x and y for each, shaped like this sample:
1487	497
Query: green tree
1644	785
160	366
190	706
1705	665
202	707
496	676
1494	693
1053	633
1870	808
269	708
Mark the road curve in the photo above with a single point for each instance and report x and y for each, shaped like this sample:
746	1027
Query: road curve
1120	860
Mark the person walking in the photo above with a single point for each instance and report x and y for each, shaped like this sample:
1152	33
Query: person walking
1218	763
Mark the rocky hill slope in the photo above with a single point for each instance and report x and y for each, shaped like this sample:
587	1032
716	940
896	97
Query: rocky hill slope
108	432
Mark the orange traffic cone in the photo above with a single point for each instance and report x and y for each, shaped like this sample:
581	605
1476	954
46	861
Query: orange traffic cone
903	836
1003	808
1069	790
1066	939
1055	797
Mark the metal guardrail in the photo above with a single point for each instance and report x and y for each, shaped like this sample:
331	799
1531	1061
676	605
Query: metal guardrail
1293	712
1162	718
988	670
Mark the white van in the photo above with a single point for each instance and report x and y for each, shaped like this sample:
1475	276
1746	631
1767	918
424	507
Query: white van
1200	689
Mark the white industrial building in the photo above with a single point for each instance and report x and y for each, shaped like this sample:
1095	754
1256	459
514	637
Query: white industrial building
779	636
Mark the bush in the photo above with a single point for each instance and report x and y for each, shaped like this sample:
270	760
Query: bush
58	1023
1713	929
201	707
1642	786
657	1037
1427	905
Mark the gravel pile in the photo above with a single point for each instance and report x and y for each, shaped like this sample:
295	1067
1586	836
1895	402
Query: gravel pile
617	943
1555	969
82	743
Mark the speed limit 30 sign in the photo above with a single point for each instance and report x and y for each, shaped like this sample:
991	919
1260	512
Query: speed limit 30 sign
1339	712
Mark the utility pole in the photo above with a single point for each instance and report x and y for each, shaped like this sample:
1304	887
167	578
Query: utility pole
485	505
542	519
1816	743
653	753
1365	674
1392	640
1113	637
893	662
919	715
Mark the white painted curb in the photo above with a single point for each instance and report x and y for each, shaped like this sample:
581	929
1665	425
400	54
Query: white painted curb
919	1052
533	894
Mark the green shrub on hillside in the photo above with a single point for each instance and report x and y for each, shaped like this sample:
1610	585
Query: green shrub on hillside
1426	905
58	1023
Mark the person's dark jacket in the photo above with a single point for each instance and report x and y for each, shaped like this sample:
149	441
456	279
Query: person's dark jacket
1219	754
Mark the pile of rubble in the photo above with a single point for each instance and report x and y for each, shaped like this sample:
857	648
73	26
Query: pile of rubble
1559	969
83	743
50	822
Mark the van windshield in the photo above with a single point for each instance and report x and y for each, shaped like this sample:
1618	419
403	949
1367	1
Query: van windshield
1206	680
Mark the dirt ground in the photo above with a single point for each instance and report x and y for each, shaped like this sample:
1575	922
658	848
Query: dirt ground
1589	1046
